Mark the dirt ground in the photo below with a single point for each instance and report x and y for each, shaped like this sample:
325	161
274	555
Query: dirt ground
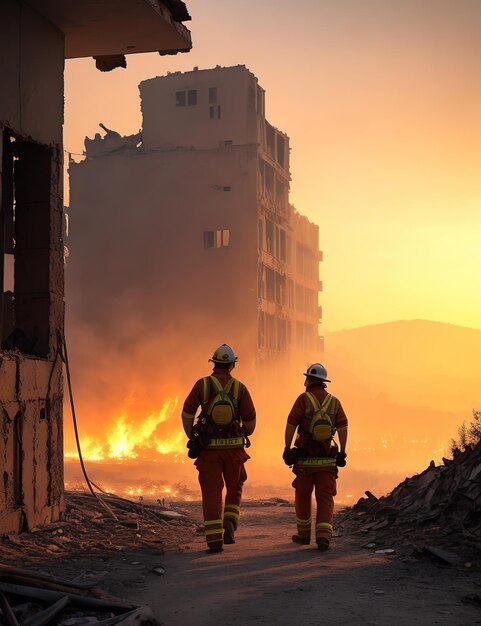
264	578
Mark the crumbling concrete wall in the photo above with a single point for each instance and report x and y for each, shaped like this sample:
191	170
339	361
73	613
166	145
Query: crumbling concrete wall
190	229
203	108
150	270
31	117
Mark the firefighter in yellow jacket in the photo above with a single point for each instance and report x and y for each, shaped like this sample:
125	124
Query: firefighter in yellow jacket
317	416
217	440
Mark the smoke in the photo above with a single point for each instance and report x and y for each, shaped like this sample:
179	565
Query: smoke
143	317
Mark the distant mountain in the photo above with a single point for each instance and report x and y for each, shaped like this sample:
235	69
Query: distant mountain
409	382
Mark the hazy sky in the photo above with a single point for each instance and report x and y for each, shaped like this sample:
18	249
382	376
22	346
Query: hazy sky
382	102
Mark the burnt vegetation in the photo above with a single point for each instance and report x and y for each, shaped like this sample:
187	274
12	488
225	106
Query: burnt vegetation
469	435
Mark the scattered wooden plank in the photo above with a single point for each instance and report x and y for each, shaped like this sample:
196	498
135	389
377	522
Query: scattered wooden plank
47	596
8	616
46	616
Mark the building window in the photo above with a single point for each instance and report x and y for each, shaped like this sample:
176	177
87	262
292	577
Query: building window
270	285
216	238
186	97
281	252
214	112
281	289
260	101
280	150
270	242
281	335
307	262
26	180
261	330
271	140
212	95
180	98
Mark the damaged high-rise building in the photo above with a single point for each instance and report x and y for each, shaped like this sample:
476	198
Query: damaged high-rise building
190	226
36	36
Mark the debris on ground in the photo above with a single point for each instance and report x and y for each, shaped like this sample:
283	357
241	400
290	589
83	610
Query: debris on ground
31	598
87	527
267	502
436	513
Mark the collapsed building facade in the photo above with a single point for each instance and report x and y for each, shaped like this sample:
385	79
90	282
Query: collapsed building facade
35	38
192	221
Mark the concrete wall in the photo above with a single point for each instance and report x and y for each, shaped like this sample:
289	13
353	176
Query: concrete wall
31	109
148	272
31	73
166	125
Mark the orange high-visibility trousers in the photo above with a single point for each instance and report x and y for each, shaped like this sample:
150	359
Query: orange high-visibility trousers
217	467
324	484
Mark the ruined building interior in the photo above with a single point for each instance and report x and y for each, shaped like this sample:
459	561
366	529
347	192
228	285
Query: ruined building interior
201	195
36	36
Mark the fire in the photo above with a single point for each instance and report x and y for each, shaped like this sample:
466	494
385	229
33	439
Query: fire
130	439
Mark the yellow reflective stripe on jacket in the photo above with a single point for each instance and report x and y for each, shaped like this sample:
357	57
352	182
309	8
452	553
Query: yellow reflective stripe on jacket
187	416
316	461
206	388
225	443
218	385
316	405
236	389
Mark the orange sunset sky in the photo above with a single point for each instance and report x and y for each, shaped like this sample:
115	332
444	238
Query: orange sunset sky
382	102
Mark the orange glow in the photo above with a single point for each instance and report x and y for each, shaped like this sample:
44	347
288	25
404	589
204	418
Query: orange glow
382	107
127	438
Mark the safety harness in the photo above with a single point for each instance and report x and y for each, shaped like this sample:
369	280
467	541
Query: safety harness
222	413
323	421
319	432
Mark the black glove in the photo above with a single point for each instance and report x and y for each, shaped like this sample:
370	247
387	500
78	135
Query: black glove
194	448
341	459
290	456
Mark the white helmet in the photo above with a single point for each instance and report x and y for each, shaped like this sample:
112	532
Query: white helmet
224	354
317	370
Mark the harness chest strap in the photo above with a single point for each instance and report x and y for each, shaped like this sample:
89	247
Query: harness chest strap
329	406
232	382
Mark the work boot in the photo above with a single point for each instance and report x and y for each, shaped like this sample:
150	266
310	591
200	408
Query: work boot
229	530
302	540
216	547
322	544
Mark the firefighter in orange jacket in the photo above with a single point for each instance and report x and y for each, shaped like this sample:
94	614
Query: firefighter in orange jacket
316	415
217	441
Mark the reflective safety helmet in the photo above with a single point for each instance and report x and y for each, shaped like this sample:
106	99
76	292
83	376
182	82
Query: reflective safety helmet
317	370
224	354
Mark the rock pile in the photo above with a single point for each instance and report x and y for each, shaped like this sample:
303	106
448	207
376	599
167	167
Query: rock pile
430	512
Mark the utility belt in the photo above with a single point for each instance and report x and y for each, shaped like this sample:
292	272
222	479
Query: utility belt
226	442
306	461
202	440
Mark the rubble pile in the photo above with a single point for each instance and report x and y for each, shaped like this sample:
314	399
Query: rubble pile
432	512
87	528
30	598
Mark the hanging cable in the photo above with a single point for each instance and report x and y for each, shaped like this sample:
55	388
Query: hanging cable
64	355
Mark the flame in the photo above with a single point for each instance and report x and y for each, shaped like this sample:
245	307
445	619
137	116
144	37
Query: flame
130	439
